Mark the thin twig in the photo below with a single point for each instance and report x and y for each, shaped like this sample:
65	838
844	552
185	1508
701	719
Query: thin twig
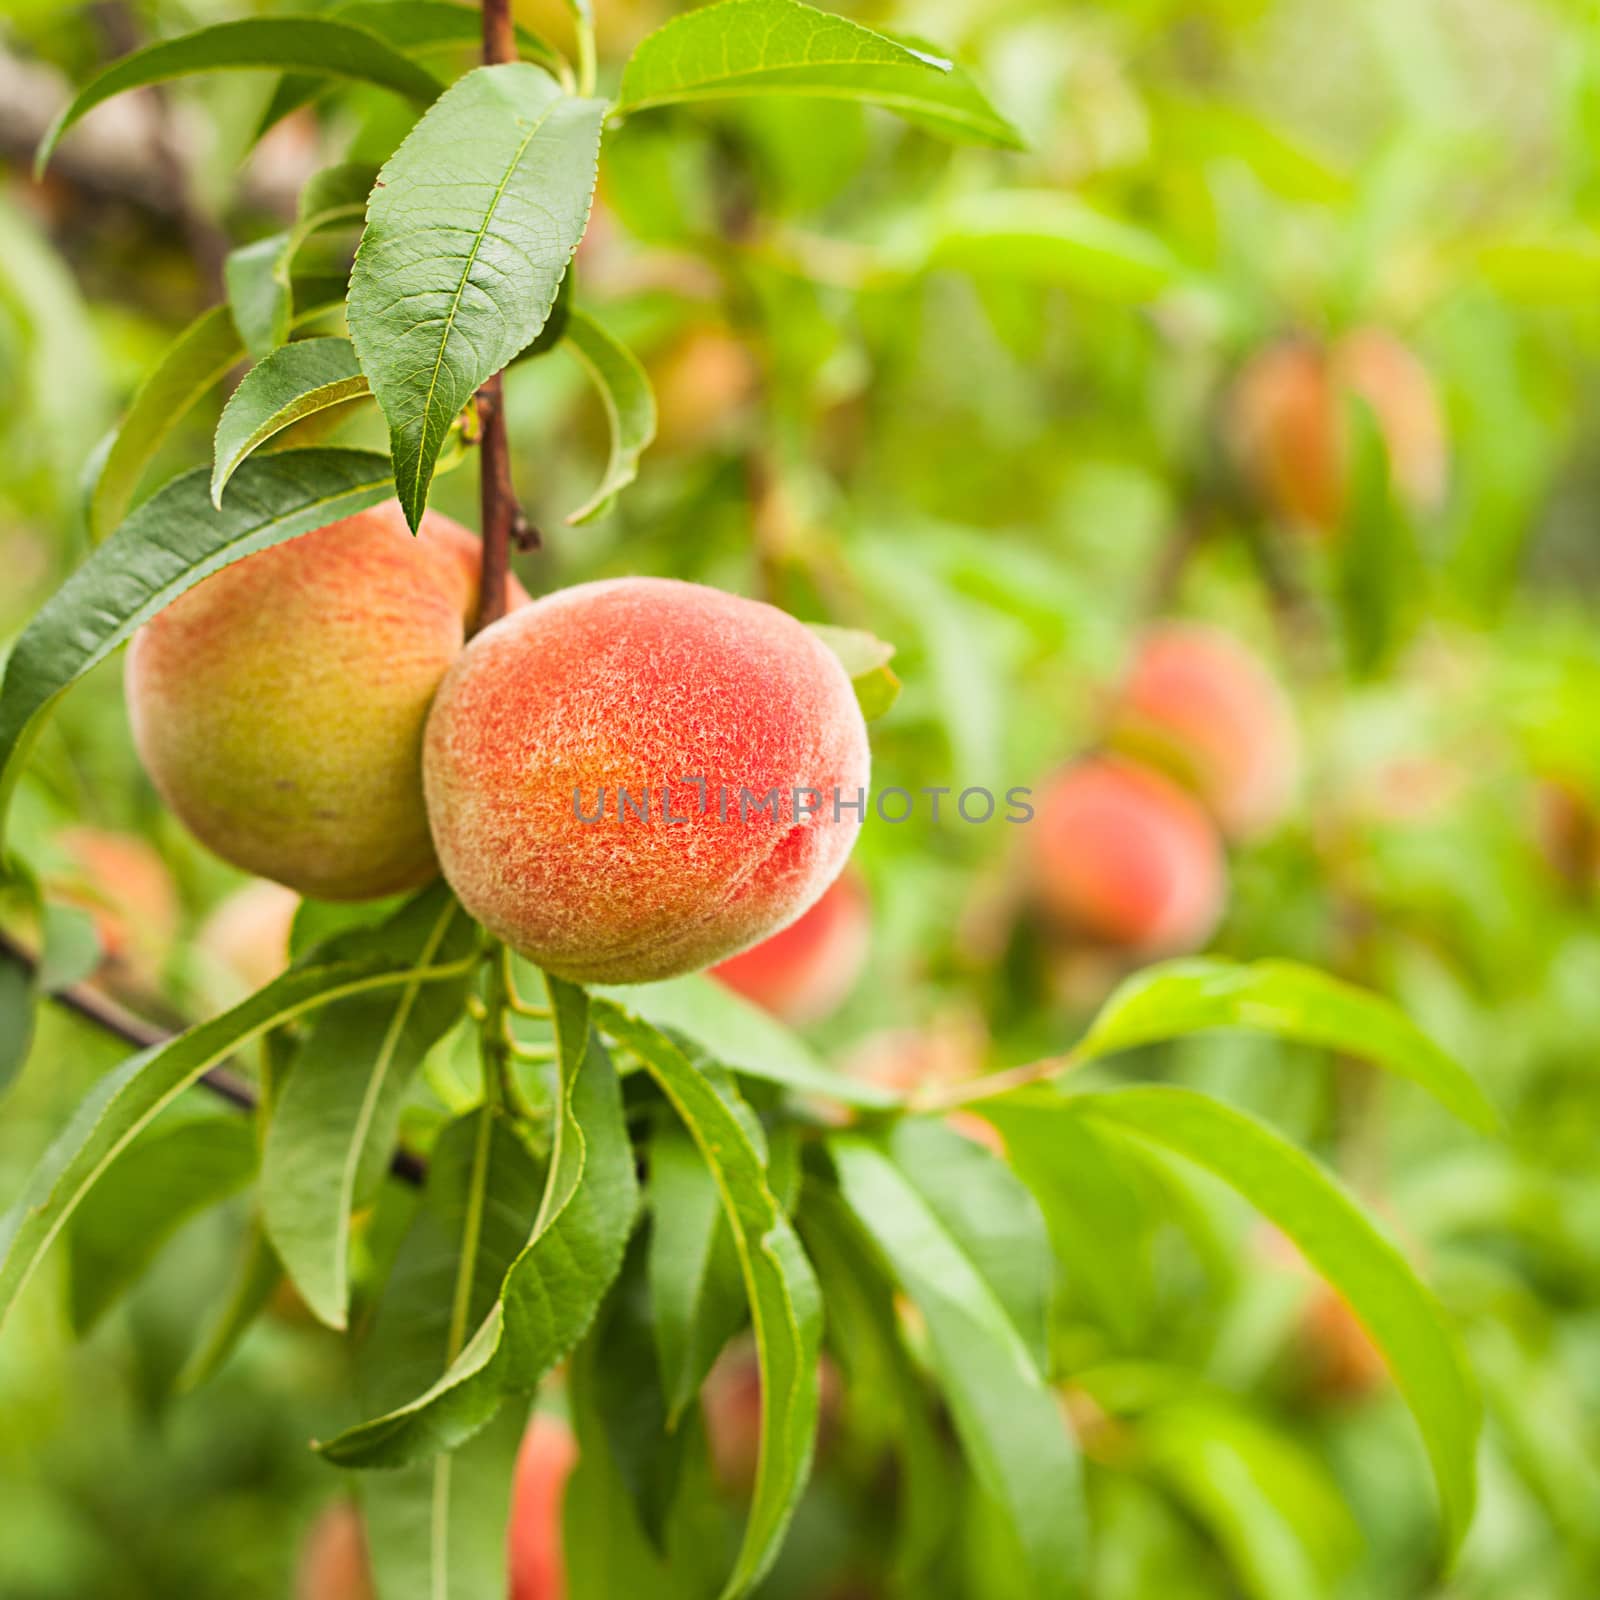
122	1024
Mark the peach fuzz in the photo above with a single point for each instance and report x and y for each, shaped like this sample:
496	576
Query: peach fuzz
1125	857
279	705
544	1463
802	973
333	1559
641	684
1288	426
1198	703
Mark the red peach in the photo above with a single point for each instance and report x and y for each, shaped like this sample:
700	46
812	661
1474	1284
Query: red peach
1288	427
124	884
802	973
548	1454
635	687
279	705
333	1559
1200	704
1126	857
247	935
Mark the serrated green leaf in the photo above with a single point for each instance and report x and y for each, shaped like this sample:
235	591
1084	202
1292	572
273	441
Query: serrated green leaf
156	1185
259	276
1340	1242
469	232
175	539
1287	1001
554	1287
437	1529
743	1037
752	47
1045	236
293	382
417	27
630	407
313	44
334	1126
866	658
124	1102
1009	1424
696	1288
785	1306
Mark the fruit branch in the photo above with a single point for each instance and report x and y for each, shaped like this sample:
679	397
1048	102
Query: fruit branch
111	1018
500	516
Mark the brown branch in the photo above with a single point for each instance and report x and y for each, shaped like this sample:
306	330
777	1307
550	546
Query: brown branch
502	520
109	1017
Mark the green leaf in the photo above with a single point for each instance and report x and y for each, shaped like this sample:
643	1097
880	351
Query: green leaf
173	541
469	232
1342	1243
418	27
1045	236
743	1037
313	44
696	1287
143	1198
630	407
990	1215
1008	1420
753	47
292	382
437	1529
260	275
1287	1001
554	1287
16	1016
256	1276
334	1127
785	1307
124	1102
69	948
866	658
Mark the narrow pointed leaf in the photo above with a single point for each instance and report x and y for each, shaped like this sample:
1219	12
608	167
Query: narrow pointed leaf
293	382
1009	1424
469	232
630	407
1289	1002
785	1306
124	1102
173	541
312	44
1343	1244
866	658
553	1288
335	1123
696	1288
437	1529
145	1196
754	47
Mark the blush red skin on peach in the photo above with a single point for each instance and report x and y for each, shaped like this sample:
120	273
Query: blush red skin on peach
279	706
631	684
534	1548
803	973
1125	856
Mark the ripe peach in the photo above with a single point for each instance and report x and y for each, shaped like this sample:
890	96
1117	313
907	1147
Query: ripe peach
803	972
548	1454
1288	426
247	936
1201	705
333	1559
123	883
633	779
279	706
1126	857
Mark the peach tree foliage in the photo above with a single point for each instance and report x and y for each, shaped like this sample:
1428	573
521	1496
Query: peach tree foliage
654	1147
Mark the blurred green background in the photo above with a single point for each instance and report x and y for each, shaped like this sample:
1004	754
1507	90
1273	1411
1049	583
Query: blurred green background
985	405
